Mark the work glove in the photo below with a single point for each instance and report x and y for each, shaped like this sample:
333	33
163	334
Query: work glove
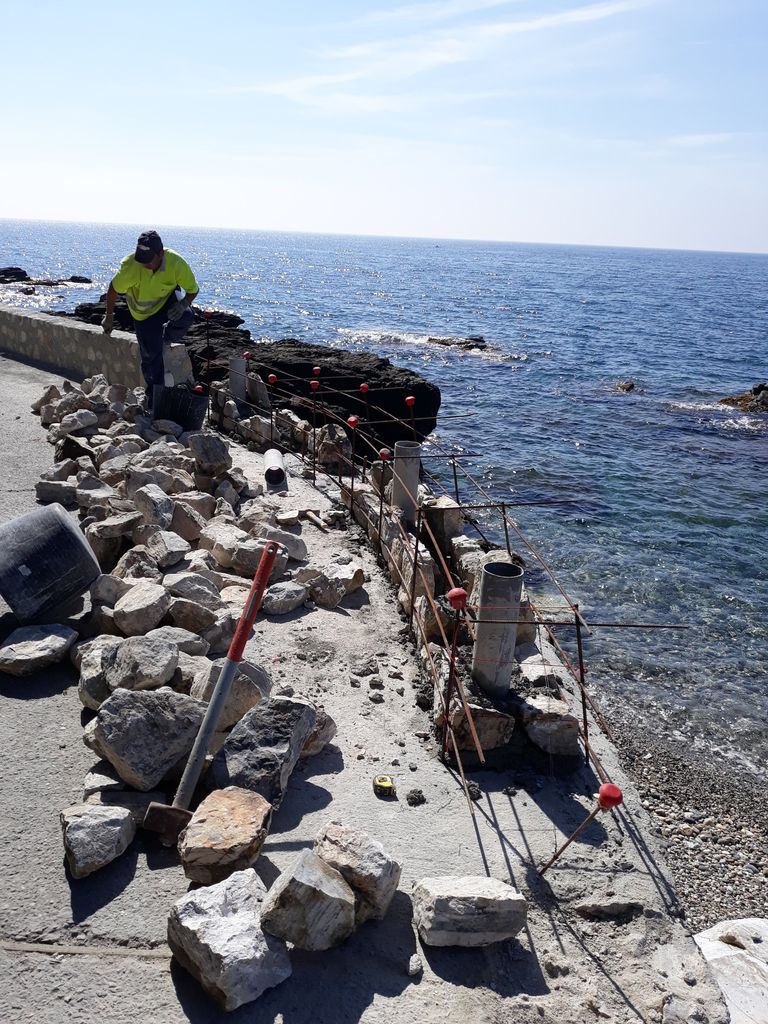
107	323
177	310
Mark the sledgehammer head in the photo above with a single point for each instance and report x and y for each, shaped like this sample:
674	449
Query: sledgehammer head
169	822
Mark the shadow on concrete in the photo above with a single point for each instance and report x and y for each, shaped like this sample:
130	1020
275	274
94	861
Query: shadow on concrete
330	761
336	986
45	683
87	895
302	798
508	968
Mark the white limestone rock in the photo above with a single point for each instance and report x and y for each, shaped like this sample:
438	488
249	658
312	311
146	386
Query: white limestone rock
737	953
193	586
32	648
361	860
191	616
211	453
310	905
293	544
216	934
167	548
467	910
95	836
284	597
92	687
142	608
140	663
186	641
155	505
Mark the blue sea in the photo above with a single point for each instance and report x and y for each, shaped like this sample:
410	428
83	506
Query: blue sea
667	516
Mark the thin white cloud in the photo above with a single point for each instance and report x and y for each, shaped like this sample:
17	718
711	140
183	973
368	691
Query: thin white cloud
389	61
441	10
703	139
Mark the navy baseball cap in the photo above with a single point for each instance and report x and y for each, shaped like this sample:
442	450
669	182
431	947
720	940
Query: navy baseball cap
148	246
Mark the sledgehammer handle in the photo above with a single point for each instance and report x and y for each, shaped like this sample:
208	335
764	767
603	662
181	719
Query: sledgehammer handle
218	699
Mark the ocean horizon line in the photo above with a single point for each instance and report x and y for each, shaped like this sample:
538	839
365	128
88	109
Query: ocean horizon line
393	237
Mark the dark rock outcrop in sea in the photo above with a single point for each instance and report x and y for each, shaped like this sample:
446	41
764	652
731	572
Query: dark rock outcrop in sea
15	275
213	339
755	400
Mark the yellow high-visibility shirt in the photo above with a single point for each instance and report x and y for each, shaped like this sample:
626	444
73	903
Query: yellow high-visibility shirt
145	291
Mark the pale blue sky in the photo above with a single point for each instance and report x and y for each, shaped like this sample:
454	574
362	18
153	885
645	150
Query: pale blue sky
625	122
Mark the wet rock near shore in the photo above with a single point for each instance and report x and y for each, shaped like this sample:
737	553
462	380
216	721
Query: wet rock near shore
216	336
15	275
754	400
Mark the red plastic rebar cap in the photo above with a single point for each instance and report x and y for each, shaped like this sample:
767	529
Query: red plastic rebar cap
385	454
207	313
609	796
314	384
364	388
246	355
199	388
457	598
410	401
353	421
272	378
316	370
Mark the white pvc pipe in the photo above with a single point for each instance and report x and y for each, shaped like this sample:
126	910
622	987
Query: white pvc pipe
405	480
274	467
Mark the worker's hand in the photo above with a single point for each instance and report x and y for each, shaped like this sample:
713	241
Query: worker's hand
108	323
177	310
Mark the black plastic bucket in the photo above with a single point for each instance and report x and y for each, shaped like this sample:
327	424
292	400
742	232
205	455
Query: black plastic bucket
180	405
44	561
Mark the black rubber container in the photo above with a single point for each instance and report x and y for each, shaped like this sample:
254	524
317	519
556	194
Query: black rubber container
44	562
179	404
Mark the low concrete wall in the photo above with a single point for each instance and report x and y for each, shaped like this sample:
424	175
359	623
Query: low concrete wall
81	350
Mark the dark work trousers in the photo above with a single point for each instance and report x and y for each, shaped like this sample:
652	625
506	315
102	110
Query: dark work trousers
153	332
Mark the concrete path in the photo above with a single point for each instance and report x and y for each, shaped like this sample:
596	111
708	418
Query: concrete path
94	949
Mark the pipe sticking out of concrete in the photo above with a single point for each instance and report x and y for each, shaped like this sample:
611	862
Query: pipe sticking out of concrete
501	587
237	370
405	481
274	467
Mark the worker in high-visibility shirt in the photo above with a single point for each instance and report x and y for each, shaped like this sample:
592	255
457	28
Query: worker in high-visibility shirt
150	280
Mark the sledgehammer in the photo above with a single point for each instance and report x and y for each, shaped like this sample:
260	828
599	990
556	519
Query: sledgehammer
169	821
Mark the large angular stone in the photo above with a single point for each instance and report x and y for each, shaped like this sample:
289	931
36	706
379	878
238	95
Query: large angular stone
77	421
92	688
284	597
108	589
248	555
468	910
550	725
142	608
372	873
322	733
100	778
136	564
167	548
202	503
211	453
185	640
95	836
293	544
263	748
155	505
226	834
193	586
144	734
737	953
31	648
309	905
117	526
216	934
250	686
140	663
62	491
186	522
222	539
191	616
